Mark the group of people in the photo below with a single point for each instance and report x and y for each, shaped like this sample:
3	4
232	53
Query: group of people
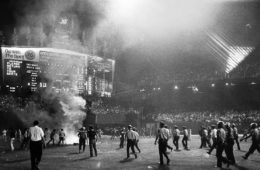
226	136
164	134
221	137
50	136
90	134
16	137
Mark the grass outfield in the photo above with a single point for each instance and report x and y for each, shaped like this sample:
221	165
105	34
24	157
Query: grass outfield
110	157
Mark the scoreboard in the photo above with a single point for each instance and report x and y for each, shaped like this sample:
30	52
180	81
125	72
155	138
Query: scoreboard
19	68
25	68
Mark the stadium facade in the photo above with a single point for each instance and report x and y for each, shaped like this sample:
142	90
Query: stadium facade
30	69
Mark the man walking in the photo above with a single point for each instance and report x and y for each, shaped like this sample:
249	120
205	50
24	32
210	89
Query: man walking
236	135
203	137
176	137
61	137
36	140
82	138
136	140
229	143
92	135
214	138
255	140
221	135
52	135
185	138
122	138
163	136
131	139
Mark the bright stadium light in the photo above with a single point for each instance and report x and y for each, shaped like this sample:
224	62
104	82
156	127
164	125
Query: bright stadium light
212	85
176	87
225	49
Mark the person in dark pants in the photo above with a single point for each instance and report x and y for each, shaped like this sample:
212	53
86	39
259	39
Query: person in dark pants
236	135
136	140
131	139
26	139
61	137
176	137
168	146
209	136
92	135
163	135
221	135
200	133
229	144
122	138
82	139
36	143
185	138
52	135
255	134
203	137
214	138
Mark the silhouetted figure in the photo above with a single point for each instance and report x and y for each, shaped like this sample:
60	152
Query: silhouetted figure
52	135
82	138
122	138
61	137
92	135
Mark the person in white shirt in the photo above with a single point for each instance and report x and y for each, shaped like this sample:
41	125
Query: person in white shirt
176	136
36	141
4	132
61	137
163	135
214	138
131	139
137	139
185	138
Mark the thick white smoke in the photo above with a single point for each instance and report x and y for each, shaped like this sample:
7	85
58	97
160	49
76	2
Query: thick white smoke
74	115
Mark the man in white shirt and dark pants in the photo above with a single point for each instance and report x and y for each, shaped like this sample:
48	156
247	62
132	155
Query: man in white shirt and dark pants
131	139
36	140
163	136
